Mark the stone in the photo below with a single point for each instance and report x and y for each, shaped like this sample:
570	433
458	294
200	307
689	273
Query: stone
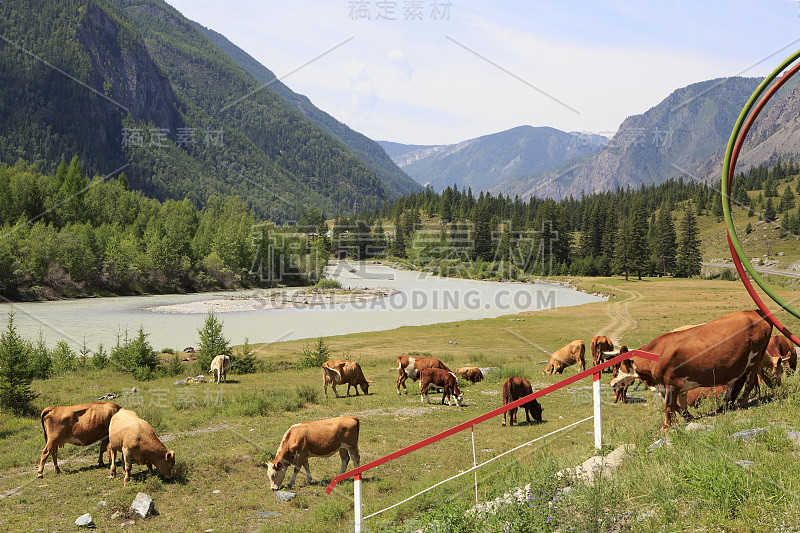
128	523
660	443
215	491
84	521
101	503
748	434
793	436
143	505
745	464
284	496
266	514
694	426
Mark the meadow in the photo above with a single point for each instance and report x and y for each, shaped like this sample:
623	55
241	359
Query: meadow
223	434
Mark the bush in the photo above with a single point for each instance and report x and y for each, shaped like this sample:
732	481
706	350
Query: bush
100	358
174	368
135	356
40	363
314	356
308	393
15	376
212	343
328	283
245	361
63	359
262	403
168	350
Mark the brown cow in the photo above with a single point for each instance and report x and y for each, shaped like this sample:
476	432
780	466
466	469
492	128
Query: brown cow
138	443
569	355
780	346
81	425
515	388
620	389
344	373
472	374
694	397
410	367
440	378
599	345
319	438
727	350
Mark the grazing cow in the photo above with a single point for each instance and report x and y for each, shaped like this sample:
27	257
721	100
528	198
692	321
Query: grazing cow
344	373
598	346
620	389
81	425
694	397
515	388
771	369
410	367
320	438
220	367
569	355
780	346
727	350
138	443
472	374
440	378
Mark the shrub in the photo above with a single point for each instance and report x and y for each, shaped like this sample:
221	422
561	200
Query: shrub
314	356
328	283
174	368
63	359
212	342
245	361
15	376
308	393
135	356
100	358
168	350
40	363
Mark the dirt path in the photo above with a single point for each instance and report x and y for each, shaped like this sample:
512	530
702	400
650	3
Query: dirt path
621	320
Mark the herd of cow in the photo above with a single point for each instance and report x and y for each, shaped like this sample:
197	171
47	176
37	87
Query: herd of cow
729	356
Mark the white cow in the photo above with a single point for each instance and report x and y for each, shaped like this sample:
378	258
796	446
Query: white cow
220	367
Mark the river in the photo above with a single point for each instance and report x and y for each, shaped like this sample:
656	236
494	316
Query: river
421	299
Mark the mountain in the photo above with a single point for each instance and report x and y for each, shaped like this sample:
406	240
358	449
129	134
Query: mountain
365	148
394	149
134	85
485	162
685	135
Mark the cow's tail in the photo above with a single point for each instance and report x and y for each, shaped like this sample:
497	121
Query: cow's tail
45	412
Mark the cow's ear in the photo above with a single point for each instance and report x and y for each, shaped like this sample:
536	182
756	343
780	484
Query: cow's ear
170	455
370	382
278	465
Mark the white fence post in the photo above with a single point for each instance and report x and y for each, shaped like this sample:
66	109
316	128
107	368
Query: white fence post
475	464
598	416
357	501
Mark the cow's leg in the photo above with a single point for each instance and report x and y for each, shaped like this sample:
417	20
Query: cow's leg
308	472
128	460
348	390
150	468
683	405
296	469
671	405
527	415
401	380
333	386
325	386
343	453
45	455
504	418
103	448
54	455
112	458
355	387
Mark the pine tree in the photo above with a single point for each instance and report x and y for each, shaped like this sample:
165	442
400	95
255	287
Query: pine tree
771	188
15	376
664	242
636	240
212	342
787	200
769	210
688	259
482	236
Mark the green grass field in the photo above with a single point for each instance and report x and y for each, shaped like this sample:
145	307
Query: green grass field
223	434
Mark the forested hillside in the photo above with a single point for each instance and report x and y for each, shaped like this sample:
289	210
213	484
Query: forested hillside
654	230
134	84
56	241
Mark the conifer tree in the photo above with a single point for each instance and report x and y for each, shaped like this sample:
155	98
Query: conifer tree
15	376
688	259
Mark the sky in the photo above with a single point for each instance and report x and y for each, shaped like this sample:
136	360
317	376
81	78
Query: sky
442	71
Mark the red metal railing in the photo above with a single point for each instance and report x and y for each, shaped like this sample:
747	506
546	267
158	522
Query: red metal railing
596	370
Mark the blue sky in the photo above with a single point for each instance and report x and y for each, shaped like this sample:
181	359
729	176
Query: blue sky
490	66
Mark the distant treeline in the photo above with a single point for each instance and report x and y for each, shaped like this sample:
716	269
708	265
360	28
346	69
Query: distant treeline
651	230
66	235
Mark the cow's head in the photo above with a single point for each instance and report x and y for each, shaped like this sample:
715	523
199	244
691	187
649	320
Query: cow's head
276	472
167	465
536	409
772	368
459	398
365	387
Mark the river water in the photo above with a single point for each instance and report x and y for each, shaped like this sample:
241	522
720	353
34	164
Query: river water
421	299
